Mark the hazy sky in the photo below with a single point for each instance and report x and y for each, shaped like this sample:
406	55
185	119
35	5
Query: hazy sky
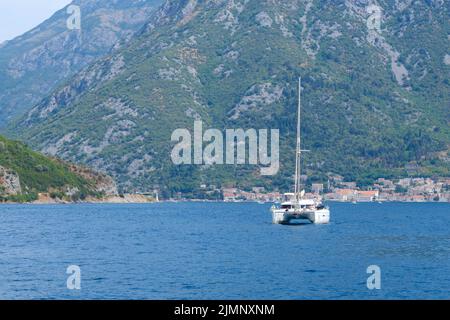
19	16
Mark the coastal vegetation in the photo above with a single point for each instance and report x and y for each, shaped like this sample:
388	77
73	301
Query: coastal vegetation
24	174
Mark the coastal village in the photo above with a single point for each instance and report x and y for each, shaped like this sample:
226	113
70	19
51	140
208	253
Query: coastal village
384	190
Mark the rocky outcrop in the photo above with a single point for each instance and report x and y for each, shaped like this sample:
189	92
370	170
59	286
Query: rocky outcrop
101	182
9	182
27	176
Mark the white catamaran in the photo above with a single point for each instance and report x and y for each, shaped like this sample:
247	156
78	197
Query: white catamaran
295	206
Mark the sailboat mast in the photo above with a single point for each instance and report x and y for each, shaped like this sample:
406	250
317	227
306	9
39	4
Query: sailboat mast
298	148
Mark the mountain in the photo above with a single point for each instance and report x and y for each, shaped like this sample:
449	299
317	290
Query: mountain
376	100
25	173
32	65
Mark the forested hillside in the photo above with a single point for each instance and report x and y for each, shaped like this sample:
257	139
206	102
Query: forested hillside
376	102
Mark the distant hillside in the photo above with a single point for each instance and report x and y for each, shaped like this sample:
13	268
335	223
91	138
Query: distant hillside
32	65
376	102
25	173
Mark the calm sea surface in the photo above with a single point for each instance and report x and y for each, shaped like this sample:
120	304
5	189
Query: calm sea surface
223	251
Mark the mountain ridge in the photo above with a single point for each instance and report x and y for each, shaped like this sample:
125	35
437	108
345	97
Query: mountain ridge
32	64
234	64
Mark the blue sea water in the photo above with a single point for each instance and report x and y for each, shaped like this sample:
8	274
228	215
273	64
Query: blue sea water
223	251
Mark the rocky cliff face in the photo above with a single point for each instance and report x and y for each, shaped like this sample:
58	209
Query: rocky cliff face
101	182
375	77
9	182
34	64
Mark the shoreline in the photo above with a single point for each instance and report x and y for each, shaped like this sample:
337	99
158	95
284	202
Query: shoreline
139	200
45	199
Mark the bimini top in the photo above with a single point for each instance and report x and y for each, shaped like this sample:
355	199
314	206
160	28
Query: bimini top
302	202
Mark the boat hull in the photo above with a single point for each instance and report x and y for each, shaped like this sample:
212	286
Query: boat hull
321	216
280	216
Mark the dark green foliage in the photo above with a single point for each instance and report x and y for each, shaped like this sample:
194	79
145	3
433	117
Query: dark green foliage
39	174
